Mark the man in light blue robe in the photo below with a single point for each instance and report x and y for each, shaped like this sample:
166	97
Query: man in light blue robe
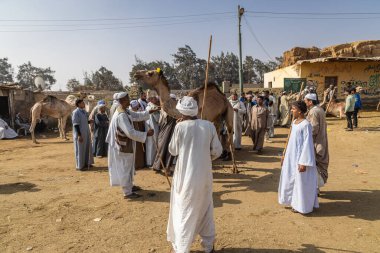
81	137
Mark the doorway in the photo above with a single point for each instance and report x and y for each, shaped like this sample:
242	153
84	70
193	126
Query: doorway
4	108
331	80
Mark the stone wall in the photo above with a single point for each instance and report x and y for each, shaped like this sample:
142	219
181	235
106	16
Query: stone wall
368	48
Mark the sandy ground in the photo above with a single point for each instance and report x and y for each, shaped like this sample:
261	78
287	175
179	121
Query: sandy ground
47	206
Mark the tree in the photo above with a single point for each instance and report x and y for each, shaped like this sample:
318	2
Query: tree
248	69
190	69
226	67
104	79
6	71
167	68
72	84
27	72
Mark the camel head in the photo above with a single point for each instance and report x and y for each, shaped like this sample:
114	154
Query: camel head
149	77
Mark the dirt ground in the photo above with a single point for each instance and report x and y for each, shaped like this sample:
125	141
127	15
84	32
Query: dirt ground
47	206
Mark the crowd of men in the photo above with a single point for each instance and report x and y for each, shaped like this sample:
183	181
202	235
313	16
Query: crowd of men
136	134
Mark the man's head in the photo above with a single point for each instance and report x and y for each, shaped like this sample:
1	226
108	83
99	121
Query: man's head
80	103
266	93
331	86
102	108
154	100
143	96
135	105
310	100
260	100
353	90
123	99
234	96
242	94
188	107
298	108
249	97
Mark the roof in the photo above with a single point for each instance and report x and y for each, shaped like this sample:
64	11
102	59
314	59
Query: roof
341	59
9	86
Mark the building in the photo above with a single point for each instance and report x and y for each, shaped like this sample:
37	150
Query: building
321	72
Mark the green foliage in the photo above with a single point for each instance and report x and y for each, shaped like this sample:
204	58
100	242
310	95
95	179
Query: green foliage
6	71
72	84
27	72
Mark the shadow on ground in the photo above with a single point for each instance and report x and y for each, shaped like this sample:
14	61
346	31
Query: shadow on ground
18	187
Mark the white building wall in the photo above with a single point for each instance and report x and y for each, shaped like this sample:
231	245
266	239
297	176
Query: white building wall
277	76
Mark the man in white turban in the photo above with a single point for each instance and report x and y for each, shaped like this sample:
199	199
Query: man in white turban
196	144
115	105
121	139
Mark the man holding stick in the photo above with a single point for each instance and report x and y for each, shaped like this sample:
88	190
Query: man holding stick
196	144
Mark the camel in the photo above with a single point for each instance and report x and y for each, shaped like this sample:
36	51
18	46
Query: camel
55	108
334	108
218	108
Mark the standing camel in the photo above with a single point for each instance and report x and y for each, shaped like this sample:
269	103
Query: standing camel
217	109
53	107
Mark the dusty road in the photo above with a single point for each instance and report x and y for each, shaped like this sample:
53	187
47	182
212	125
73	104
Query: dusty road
47	206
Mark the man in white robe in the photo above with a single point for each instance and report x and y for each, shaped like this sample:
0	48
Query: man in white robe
6	132
239	111
196	144
121	139
114	106
299	179
152	123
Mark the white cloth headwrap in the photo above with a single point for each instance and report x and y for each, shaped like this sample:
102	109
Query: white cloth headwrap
187	106
120	95
173	95
115	95
134	103
311	96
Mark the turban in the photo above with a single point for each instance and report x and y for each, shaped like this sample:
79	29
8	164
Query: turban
101	102
311	96
173	96
187	106
121	95
134	103
115	95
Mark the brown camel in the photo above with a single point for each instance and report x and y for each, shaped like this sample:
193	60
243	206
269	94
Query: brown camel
217	108
334	108
53	107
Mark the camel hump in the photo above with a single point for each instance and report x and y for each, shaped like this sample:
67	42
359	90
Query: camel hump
49	99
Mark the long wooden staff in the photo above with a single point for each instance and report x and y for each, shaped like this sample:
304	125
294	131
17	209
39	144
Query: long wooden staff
206	80
161	161
331	98
299	94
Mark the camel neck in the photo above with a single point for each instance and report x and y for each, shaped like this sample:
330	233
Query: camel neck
163	89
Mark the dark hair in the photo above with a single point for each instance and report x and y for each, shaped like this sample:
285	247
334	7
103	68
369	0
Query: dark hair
300	105
78	101
262	97
314	102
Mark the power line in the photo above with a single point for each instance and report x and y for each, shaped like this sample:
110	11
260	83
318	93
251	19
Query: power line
113	19
122	23
112	28
314	13
321	18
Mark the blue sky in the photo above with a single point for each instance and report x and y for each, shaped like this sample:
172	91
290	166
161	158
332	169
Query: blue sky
70	53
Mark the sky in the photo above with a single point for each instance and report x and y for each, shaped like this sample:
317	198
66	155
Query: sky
66	35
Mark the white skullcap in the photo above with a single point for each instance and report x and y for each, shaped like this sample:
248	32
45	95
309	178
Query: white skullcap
134	103
115	95
187	106
311	96
173	95
120	95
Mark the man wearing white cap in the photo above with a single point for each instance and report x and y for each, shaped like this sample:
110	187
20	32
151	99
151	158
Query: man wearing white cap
122	138
317	119
115	104
239	111
196	144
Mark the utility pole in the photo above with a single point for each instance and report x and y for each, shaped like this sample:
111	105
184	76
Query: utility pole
240	14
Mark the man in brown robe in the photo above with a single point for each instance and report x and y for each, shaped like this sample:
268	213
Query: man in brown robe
140	147
259	124
317	118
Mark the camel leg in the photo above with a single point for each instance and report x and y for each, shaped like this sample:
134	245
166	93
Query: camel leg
35	113
229	119
63	126
31	130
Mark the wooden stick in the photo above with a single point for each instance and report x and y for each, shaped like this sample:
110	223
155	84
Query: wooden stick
206	80
299	94
328	105
161	161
